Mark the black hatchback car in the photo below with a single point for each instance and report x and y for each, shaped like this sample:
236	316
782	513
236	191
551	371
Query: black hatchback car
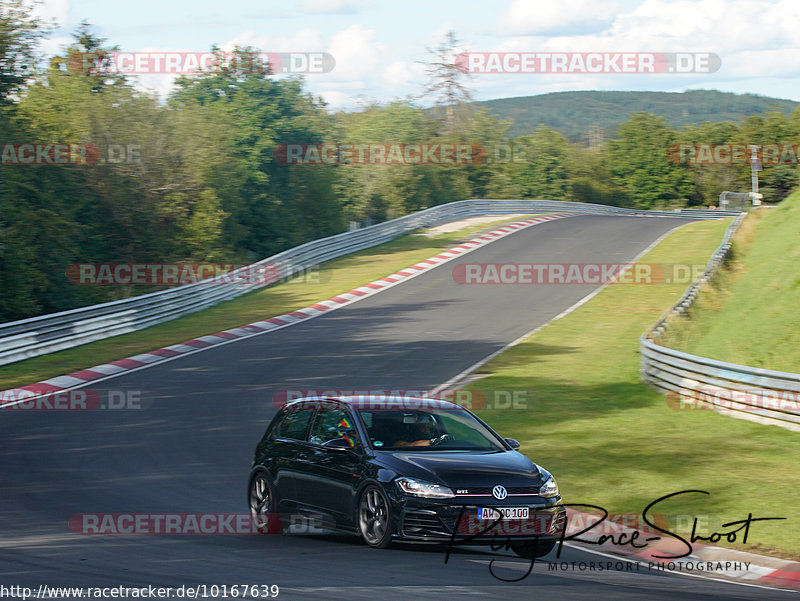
402	469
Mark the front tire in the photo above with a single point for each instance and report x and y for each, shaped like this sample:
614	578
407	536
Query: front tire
261	499
374	518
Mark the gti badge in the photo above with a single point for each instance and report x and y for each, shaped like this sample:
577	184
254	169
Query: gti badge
499	492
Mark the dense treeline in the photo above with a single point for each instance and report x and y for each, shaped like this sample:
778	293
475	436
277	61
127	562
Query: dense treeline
195	178
575	114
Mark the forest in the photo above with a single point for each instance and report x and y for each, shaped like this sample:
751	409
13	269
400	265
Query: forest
576	114
195	177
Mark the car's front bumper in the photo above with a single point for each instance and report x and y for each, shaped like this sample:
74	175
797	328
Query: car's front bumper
424	520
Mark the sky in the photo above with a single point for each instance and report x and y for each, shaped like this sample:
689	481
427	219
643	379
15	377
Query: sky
379	46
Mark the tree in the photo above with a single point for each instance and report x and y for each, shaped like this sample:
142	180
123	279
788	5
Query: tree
489	177
446	77
591	179
380	192
541	169
710	180
92	58
776	180
19	34
276	206
639	161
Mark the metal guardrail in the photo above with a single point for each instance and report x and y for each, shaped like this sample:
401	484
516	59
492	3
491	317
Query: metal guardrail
739	201
762	395
57	331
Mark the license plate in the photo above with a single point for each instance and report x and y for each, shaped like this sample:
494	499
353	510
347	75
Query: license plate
508	513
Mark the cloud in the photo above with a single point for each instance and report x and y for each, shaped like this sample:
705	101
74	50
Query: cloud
333	7
357	53
334	98
54	46
402	74
52	9
721	26
529	17
302	40
755	39
657	25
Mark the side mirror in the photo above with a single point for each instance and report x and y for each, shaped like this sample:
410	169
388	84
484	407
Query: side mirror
514	444
338	444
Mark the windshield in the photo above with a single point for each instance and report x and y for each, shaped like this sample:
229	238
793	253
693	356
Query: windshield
428	430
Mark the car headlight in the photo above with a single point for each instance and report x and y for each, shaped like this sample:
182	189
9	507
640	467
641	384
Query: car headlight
420	488
549	488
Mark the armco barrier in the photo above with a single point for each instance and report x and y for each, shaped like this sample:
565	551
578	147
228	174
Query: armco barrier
762	395
49	333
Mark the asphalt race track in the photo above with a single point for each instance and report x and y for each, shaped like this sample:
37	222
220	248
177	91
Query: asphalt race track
189	449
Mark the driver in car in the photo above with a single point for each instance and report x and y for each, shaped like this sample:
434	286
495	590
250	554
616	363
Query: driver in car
421	434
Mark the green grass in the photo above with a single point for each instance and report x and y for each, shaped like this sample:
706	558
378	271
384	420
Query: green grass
333	277
612	441
750	316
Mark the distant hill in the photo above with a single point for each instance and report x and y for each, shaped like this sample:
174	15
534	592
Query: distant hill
582	115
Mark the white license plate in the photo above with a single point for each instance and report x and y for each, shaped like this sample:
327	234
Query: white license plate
508	513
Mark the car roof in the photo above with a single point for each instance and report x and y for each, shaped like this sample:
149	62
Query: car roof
387	402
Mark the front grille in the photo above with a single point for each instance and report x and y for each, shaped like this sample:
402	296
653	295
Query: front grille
450	522
554	524
416	523
442	521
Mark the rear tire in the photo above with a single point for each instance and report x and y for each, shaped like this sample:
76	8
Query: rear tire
527	549
375	518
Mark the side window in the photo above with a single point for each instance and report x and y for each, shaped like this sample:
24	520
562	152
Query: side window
295	423
333	423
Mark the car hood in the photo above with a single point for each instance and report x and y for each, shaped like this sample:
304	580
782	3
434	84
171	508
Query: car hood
464	469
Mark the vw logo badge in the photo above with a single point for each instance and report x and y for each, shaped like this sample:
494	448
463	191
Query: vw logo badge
499	492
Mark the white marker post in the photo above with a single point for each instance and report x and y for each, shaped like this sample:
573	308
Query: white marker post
755	167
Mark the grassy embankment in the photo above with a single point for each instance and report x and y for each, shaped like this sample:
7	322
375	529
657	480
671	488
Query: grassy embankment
750	316
612	441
